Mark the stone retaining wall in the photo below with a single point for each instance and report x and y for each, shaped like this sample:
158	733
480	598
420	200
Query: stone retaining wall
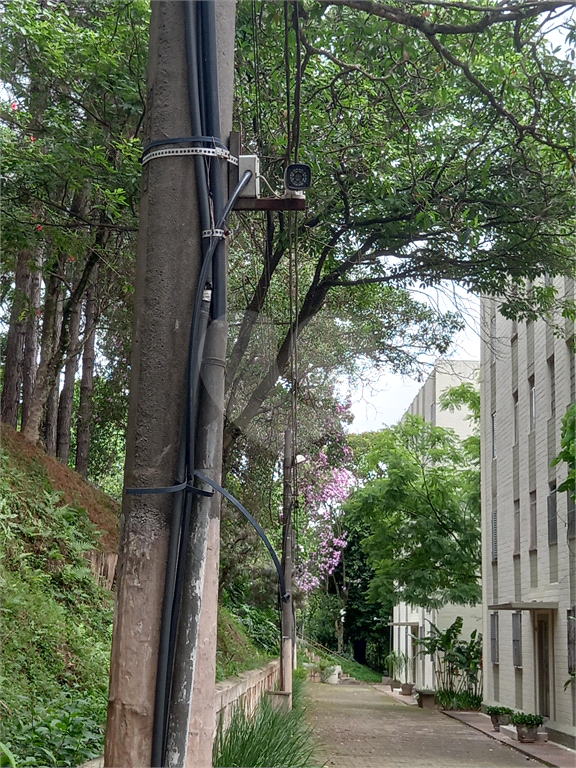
245	689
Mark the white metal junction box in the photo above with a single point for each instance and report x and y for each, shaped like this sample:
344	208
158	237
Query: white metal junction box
250	163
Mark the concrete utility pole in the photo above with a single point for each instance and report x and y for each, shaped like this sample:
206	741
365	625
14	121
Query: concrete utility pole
168	263
287	614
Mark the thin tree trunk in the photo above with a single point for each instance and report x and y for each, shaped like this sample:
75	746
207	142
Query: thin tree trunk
66	403
15	342
49	426
87	383
51	364
30	363
49	430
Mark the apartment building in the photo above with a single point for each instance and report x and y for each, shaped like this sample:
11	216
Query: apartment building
412	622
528	381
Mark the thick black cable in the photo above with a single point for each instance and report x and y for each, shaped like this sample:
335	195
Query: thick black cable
181	514
217	166
255	525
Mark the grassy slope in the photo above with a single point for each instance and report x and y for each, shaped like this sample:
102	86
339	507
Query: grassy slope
56	619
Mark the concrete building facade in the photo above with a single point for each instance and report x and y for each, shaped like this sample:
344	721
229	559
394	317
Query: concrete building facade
528	381
411	622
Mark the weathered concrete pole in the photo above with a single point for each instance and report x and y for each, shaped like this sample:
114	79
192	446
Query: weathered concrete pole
168	262
286	648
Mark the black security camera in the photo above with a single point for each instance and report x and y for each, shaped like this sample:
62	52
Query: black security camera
297	177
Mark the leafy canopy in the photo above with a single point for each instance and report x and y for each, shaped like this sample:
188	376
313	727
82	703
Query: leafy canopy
421	505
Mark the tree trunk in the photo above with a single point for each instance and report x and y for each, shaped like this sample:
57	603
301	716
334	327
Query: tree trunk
30	362
50	424
87	383
51	363
15	342
66	403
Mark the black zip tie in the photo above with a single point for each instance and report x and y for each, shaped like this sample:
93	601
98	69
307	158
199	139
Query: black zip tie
169	489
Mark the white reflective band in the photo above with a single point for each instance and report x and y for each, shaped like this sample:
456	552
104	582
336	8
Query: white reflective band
213	233
209	151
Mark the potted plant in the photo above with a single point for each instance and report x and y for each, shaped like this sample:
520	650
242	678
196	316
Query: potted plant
499	716
396	662
407	689
526	725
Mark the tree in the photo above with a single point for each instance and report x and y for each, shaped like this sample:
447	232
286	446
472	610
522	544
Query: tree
73	75
421	504
568	452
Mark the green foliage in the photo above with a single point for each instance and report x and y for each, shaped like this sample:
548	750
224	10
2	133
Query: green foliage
65	733
523	718
499	711
396	663
458	662
421	505
261	626
568	452
457	700
58	625
235	652
268	738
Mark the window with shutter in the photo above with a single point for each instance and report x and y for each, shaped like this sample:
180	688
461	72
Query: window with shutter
495	535
552	518
572	640
571	516
516	526
533	521
494	656
517	639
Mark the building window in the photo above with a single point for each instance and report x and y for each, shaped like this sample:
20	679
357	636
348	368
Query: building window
517	639
570	516
552	517
571	640
533	521
515	422
493	427
494	656
516	526
552	385
532	396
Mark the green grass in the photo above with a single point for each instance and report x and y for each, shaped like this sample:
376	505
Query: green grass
359	671
268	738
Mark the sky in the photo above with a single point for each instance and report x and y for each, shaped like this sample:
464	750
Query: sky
383	398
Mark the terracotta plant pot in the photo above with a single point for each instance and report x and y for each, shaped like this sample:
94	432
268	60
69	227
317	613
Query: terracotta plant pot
407	689
498	720
527	733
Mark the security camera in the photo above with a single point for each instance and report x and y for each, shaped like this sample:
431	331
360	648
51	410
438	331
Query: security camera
297	177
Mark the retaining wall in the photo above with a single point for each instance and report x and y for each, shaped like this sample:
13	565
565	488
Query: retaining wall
245	689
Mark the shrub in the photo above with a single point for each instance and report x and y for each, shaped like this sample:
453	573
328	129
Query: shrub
268	738
457	700
523	718
499	711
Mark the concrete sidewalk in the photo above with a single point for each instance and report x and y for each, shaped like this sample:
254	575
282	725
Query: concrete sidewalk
358	727
546	752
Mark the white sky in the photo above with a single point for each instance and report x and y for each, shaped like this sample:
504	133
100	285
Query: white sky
384	400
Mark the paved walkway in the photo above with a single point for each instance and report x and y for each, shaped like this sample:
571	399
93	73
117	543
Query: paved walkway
359	727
